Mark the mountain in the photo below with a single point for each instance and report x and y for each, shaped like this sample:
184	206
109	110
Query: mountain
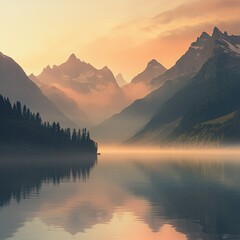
77	74
154	69
120	80
131	119
222	130
15	85
94	90
141	85
66	104
212	93
191	62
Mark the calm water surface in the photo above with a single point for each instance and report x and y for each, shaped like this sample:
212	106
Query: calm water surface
121	197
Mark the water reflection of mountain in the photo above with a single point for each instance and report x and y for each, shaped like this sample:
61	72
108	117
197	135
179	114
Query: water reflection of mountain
201	200
20	176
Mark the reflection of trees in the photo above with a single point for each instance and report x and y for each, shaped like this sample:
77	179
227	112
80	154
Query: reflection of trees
19	176
202	200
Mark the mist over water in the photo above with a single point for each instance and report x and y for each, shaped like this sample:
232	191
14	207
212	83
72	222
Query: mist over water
208	150
133	195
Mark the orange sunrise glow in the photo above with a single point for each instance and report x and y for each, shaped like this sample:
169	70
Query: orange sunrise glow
123	35
119	119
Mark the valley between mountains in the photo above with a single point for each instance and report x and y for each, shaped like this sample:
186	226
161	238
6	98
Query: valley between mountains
196	101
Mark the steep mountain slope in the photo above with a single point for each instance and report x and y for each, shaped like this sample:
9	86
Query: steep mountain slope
141	84
212	93
15	85
132	118
95	91
192	61
67	105
153	70
125	124
223	130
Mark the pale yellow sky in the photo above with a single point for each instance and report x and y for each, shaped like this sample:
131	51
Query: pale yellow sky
124	35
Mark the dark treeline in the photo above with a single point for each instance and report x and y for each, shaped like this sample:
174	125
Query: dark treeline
19	126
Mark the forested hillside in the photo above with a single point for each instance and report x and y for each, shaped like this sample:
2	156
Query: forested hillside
20	127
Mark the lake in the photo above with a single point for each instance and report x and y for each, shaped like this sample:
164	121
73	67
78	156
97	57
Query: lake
121	196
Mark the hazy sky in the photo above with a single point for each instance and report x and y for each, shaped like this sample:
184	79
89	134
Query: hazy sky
122	34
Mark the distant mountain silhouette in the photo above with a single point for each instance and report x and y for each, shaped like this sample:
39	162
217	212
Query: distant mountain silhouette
154	69
212	93
191	62
94	90
66	104
131	119
15	85
141	85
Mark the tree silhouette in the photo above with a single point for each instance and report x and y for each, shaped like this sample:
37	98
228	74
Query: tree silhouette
19	126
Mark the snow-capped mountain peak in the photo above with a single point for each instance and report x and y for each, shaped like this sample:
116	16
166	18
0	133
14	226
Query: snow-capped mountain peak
226	43
231	48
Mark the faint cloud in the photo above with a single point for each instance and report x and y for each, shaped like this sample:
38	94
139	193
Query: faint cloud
146	29
203	10
127	24
189	14
165	36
